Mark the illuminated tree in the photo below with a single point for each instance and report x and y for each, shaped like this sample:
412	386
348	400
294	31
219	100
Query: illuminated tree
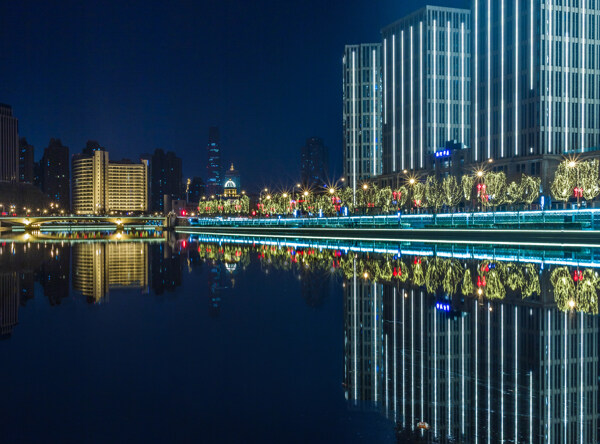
532	283
564	183
466	184
451	192
588	179
433	275
495	184
418	195
384	199
467	284
530	189
418	275
587	294
453	274
514	193
564	287
433	193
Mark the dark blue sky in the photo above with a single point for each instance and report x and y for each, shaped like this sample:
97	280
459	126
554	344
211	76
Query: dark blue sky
138	75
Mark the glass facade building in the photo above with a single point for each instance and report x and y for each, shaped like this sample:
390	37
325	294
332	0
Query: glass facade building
427	84
362	112
536	78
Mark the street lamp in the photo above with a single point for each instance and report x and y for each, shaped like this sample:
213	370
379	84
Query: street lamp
578	190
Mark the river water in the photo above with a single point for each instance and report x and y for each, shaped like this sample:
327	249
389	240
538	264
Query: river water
203	339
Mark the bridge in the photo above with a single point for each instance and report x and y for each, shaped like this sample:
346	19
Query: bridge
75	223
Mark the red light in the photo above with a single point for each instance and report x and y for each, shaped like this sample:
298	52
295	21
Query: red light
183	212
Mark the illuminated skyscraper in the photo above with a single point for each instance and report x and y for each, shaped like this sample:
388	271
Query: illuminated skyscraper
214	183
362	112
9	145
540	96
427	83
101	186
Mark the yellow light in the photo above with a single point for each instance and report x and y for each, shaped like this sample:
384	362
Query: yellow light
266	189
285	195
365	186
118	235
298	185
572	304
412	181
572	164
479	291
269	197
306	193
331	191
479	173
366	275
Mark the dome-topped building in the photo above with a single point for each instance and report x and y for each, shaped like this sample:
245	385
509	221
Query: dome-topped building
231	188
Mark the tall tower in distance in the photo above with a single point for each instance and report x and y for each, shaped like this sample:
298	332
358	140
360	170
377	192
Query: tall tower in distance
214	183
314	163
9	145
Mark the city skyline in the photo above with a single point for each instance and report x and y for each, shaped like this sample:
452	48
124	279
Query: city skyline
100	93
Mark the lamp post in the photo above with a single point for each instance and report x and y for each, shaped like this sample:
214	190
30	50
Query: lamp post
578	190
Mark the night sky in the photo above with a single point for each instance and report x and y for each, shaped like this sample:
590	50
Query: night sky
140	75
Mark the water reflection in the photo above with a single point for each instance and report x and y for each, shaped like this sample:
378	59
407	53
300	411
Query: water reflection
453	345
464	350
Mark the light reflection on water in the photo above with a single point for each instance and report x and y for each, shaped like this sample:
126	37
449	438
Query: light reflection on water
477	346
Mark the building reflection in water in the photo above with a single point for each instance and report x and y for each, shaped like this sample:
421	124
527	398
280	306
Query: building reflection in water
9	303
101	267
515	368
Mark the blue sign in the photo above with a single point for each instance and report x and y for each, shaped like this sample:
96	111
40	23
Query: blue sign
442	307
443	153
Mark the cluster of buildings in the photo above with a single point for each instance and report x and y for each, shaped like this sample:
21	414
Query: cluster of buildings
512	85
91	182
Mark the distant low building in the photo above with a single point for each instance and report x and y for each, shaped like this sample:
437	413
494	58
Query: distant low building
101	186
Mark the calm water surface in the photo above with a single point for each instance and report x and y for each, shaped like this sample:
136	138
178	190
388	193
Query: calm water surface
221	340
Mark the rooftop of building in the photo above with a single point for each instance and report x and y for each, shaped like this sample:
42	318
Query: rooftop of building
422	11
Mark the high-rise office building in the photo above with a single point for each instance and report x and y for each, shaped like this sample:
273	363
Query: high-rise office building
26	173
166	176
101	186
56	177
362	112
314	158
427	84
537	99
9	145
214	183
